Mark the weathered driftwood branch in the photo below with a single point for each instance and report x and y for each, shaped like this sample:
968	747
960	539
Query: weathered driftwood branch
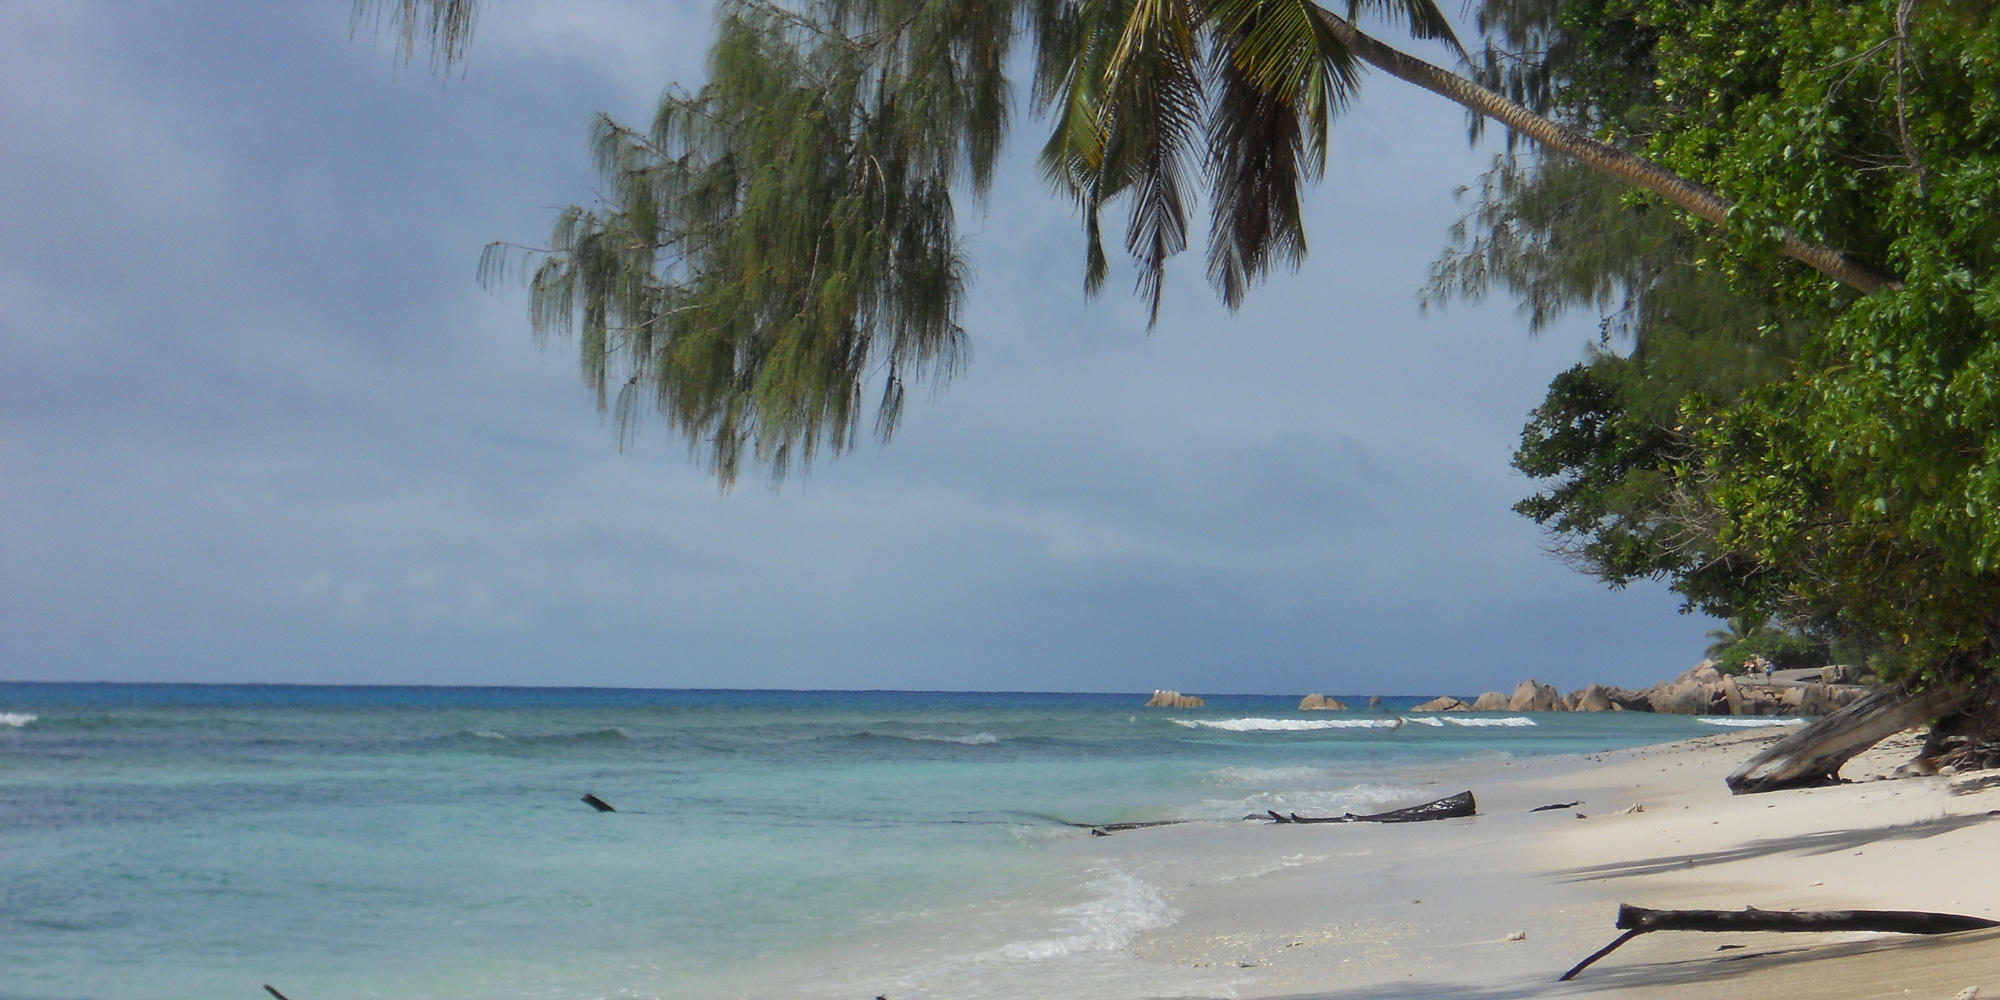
1449	807
1637	920
1814	754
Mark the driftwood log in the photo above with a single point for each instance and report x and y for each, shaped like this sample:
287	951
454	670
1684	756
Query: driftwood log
1814	755
1449	807
1637	920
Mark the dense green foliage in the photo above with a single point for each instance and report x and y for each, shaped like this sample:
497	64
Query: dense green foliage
1747	641
1766	440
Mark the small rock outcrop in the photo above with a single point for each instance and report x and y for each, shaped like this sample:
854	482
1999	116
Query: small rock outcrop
1532	695
1818	699
1628	700
1175	699
1592	699
1684	697
1732	696
1447	703
1491	701
1374	701
1320	702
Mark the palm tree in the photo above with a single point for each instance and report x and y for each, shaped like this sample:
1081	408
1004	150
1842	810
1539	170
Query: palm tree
1740	628
786	233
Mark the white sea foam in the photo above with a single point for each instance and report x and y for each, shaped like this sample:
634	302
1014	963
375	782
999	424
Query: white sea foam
975	740
1126	908
1428	720
1286	725
15	719
1752	723
1512	720
488	734
1264	777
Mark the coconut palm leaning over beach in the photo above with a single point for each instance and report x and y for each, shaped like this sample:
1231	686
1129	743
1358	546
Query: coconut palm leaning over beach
779	248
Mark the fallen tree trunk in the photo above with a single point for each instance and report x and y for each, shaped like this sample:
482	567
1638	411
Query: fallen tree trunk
1814	754
1637	920
1449	807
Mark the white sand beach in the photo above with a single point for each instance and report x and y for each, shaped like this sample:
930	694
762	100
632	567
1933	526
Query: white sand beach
1498	906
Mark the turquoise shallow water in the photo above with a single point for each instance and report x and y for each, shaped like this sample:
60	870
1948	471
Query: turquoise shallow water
165	841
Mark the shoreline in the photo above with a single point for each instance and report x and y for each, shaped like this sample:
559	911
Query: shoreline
1427	909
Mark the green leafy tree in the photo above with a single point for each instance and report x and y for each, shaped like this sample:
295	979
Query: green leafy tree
786	233
1845	481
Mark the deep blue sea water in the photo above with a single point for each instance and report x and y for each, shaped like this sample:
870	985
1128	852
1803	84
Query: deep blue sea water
169	841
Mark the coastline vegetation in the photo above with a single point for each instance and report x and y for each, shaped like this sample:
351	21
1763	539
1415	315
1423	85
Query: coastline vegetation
1783	213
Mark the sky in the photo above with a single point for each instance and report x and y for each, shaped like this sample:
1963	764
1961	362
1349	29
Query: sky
258	422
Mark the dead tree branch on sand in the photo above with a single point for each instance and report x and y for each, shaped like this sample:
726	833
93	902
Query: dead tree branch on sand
1637	920
1814	754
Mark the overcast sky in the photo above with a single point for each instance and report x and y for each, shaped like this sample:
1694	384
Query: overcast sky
258	423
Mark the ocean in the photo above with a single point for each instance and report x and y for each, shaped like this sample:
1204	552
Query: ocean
196	841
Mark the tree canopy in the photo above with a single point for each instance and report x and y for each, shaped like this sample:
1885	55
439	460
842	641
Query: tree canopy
1770	443
1784	212
784	237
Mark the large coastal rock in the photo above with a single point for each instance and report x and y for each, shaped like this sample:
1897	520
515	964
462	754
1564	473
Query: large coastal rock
1532	695
1446	703
1628	700
1595	698
1701	673
1321	703
1684	697
1175	699
1491	701
1732	696
1374	701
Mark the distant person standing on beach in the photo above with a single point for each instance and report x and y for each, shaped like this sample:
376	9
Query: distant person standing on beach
1767	671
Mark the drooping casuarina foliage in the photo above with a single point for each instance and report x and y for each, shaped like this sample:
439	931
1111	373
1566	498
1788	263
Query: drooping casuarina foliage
784	237
1784	211
1770	443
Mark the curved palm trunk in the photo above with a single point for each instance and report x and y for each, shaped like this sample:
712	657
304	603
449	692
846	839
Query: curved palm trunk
1697	200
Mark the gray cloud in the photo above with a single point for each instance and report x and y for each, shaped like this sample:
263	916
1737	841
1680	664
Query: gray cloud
257	423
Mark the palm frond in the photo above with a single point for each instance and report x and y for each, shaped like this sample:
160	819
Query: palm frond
1423	17
1281	79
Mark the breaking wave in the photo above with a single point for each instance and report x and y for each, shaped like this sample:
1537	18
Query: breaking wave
1125	908
613	734
16	719
1512	720
973	740
1751	723
1285	725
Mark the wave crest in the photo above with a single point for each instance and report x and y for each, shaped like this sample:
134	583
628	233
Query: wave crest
1512	720
1285	725
16	719
1750	723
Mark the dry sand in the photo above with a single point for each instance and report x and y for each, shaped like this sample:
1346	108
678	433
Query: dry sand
1427	910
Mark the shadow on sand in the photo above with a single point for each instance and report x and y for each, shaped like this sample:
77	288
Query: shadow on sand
1827	842
1668	978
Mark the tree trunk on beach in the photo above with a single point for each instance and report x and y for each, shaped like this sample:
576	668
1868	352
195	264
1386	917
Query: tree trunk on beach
1814	754
1637	920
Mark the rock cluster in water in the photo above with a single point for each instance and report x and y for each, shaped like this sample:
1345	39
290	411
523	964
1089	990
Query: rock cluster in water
1700	691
